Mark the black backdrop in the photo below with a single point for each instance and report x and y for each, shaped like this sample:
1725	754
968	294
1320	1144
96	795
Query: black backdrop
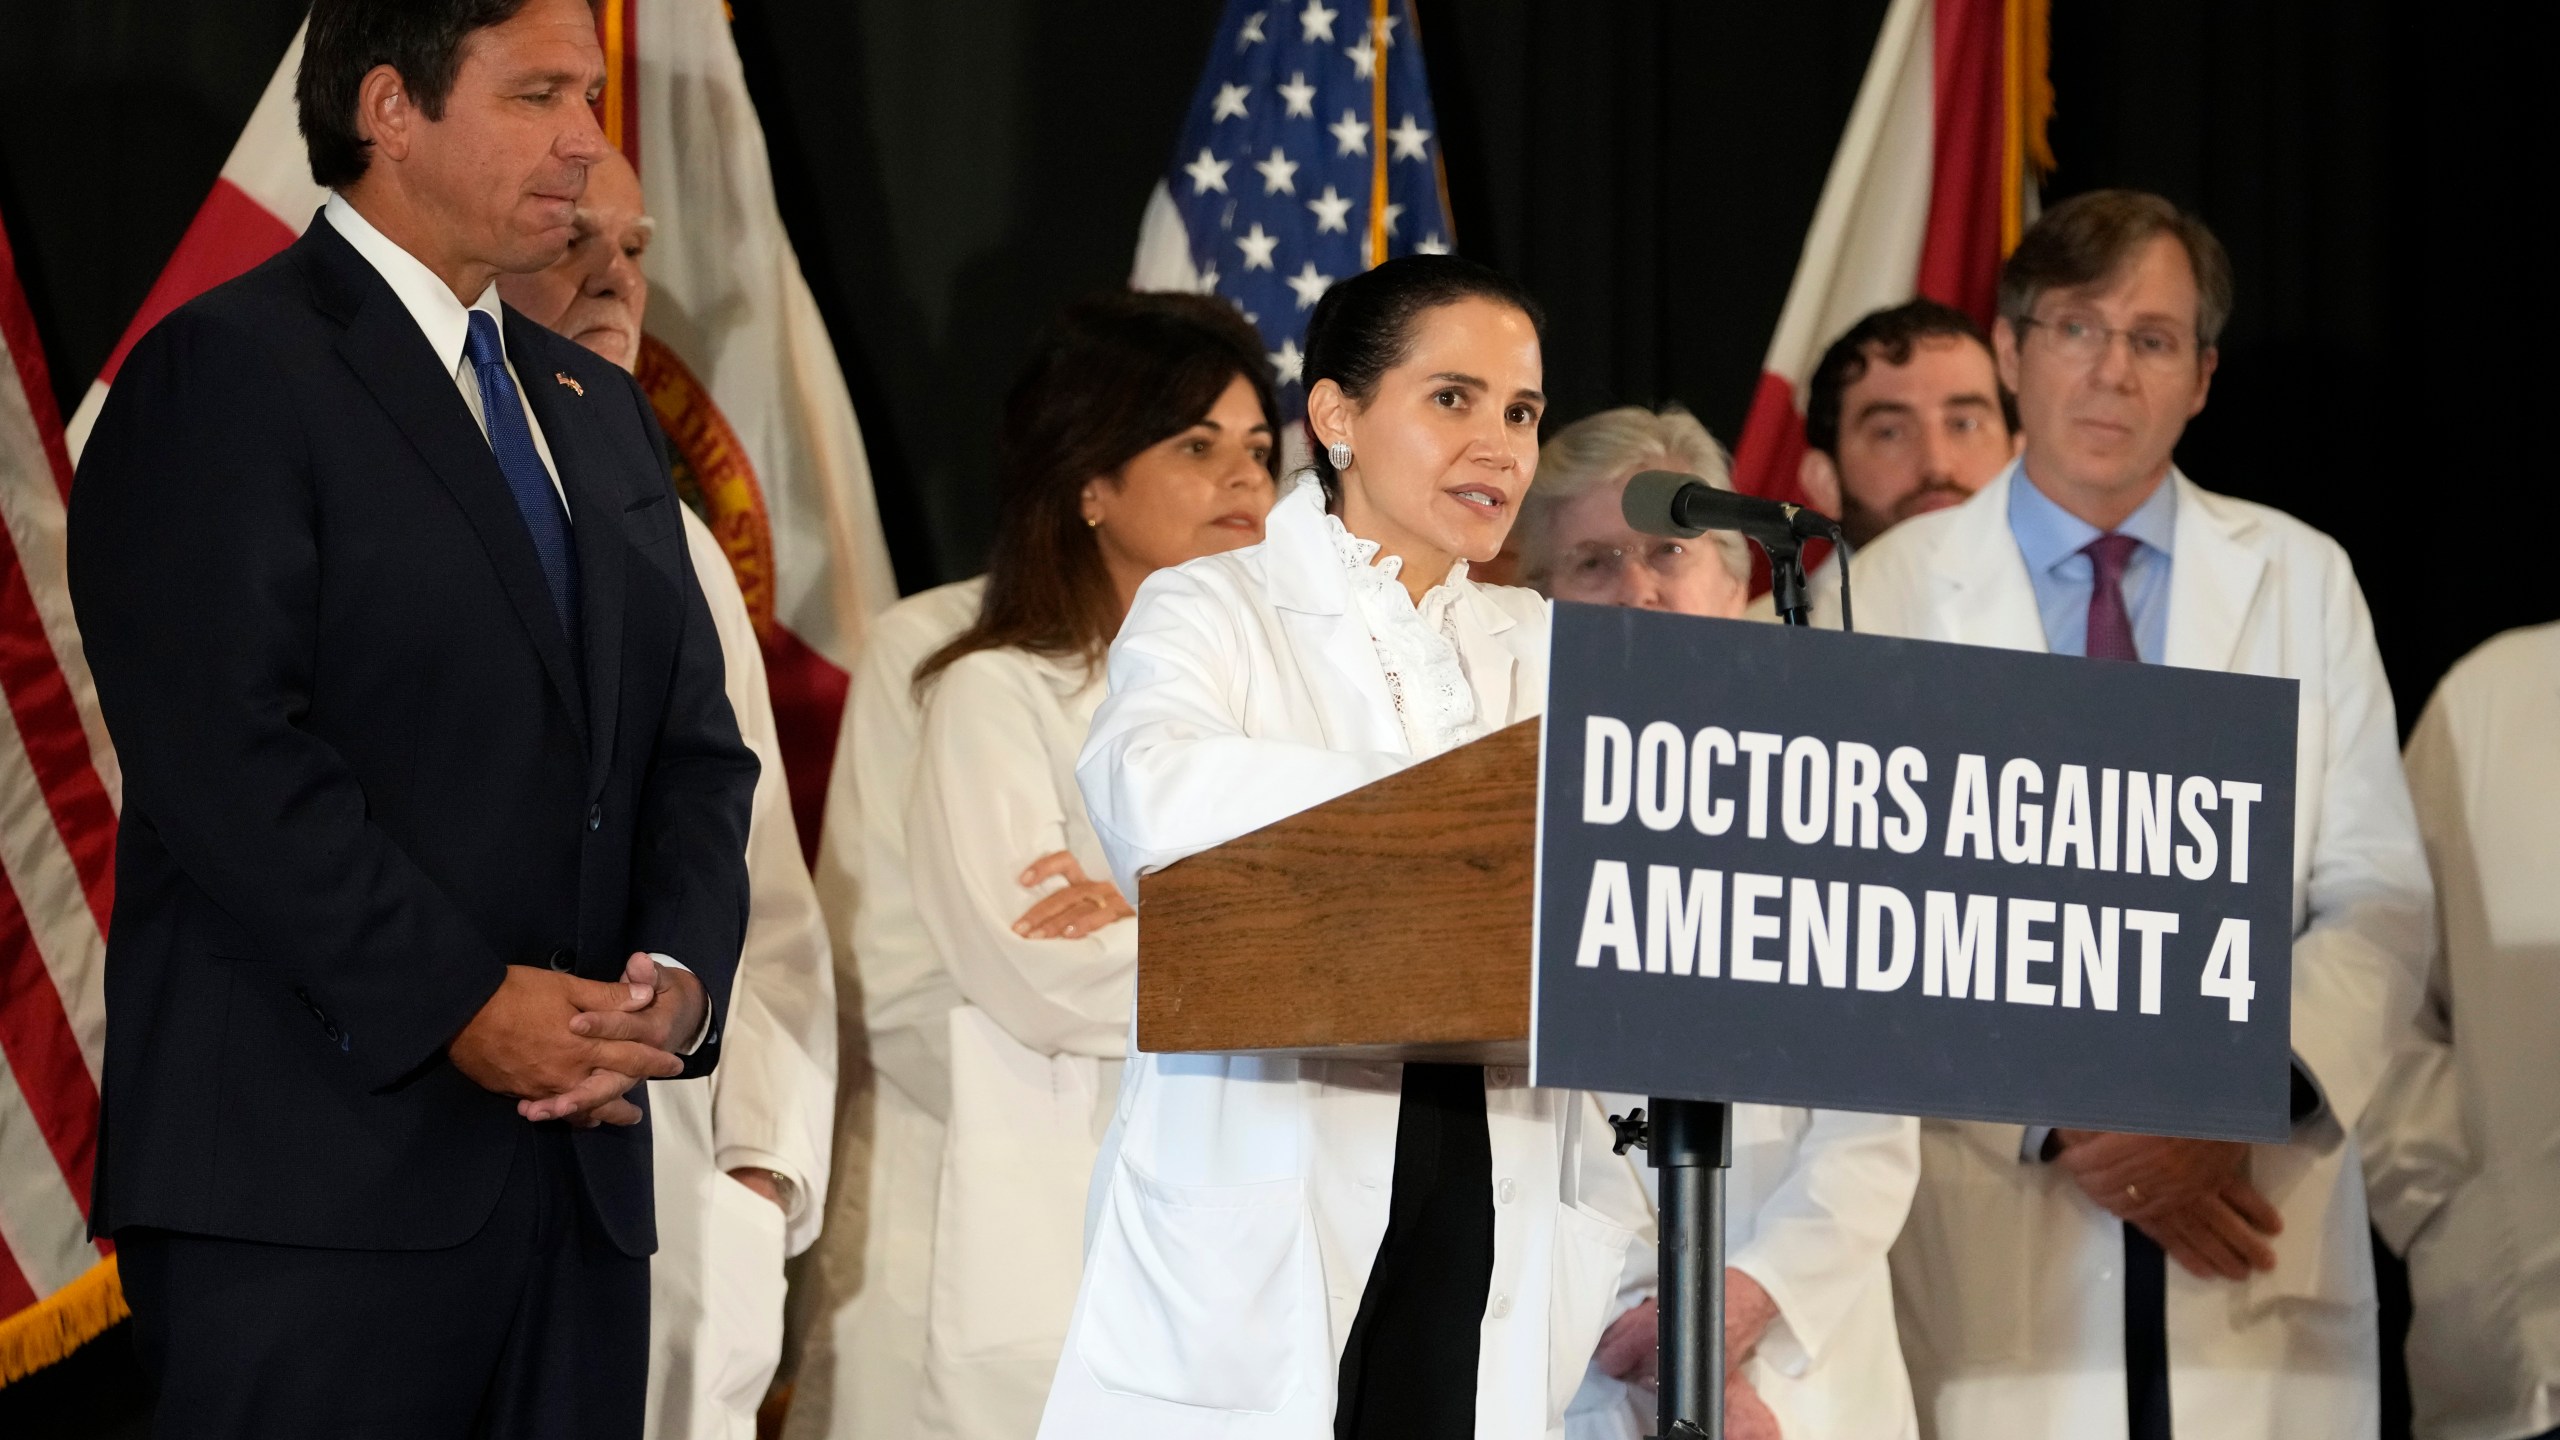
952	169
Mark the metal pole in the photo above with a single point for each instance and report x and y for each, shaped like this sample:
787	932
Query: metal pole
1691	1143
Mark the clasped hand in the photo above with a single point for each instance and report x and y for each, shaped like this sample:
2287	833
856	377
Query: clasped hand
1073	910
2192	1197
1631	1346
571	1049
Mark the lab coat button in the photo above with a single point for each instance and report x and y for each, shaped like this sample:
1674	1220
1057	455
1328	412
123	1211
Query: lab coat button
1503	1191
1498	1076
1501	1306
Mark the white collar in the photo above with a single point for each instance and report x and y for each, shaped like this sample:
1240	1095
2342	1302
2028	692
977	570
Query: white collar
444	320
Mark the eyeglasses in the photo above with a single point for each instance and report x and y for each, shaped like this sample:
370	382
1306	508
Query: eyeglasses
2081	341
1597	565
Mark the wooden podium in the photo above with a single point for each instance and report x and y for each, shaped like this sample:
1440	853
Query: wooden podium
1395	923
1392	923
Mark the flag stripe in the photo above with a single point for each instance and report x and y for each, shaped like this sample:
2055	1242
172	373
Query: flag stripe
26	355
15	1293
231	233
43	1222
1960	260
36	864
36	1036
808	710
56	747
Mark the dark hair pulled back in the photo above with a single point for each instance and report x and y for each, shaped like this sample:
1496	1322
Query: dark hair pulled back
1368	324
1111	376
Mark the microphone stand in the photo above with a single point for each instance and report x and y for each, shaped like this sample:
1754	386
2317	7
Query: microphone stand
1691	1143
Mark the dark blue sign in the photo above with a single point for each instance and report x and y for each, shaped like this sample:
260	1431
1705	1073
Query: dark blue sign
1806	868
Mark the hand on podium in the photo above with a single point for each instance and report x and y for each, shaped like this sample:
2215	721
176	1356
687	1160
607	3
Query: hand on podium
2192	1197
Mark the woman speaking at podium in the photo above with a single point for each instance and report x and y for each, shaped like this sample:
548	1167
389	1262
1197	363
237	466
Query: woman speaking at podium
1295	1250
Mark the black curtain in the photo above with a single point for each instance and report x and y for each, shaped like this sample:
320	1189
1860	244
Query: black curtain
953	170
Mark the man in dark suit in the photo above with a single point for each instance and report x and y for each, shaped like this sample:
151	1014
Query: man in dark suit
435	811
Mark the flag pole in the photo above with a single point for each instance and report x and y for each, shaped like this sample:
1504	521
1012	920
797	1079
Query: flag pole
1378	134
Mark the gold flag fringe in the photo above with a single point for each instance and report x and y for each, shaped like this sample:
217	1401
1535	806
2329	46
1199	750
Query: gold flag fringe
53	1327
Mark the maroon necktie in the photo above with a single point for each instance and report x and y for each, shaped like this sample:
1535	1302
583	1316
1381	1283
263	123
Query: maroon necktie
2110	626
2146	1311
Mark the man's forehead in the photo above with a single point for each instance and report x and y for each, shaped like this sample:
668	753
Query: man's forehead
2157	274
1932	358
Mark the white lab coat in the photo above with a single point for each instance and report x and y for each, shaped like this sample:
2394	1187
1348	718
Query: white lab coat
863	1312
715	1285
1240	1202
1036	1044
1812	1204
2009	1281
2462	1149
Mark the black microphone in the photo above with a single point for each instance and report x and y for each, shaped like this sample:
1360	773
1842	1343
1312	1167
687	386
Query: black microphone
1666	502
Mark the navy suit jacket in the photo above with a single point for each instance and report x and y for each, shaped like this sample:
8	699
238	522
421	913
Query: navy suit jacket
364	767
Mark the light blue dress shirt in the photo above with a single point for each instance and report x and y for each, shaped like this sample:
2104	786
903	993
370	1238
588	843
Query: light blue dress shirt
2051	538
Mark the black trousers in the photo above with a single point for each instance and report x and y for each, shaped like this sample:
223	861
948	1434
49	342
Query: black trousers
535	1327
1409	1365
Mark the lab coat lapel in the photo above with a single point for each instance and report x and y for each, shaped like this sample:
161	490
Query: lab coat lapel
2214	576
1313	597
1979	578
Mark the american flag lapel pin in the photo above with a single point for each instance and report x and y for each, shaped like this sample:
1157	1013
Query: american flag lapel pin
574	387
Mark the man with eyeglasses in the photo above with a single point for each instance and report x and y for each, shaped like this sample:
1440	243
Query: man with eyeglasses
2063	1282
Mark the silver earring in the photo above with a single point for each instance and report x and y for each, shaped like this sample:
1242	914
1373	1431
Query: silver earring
1339	452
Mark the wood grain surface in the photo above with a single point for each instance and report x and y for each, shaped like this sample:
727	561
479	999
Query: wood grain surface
1390	923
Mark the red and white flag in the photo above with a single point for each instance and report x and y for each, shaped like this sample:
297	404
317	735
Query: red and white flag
1931	185
739	366
737	361
58	795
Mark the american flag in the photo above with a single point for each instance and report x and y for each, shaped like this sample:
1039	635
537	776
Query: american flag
1310	154
58	789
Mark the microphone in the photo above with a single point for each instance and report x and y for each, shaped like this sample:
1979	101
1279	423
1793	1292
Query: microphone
1666	502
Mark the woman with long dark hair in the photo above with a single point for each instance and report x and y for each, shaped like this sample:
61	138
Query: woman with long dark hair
1300	1250
1139	435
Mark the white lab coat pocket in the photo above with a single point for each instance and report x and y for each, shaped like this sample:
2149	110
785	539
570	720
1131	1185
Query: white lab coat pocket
2324	1254
1196	1291
741	1340
1590	1255
1008	1230
1966	1258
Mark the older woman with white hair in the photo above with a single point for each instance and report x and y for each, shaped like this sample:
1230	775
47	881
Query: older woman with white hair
1576	545
1815	1197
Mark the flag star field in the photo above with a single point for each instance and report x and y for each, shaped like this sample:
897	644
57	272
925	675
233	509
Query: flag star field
1274	172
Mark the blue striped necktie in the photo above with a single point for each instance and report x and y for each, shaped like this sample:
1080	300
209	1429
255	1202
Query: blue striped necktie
511	438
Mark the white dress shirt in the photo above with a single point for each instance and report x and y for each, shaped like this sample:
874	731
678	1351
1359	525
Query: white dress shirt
444	320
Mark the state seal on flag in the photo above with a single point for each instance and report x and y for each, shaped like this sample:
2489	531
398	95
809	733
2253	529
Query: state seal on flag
713	474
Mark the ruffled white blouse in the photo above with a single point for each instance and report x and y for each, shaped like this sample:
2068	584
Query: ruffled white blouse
1417	645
